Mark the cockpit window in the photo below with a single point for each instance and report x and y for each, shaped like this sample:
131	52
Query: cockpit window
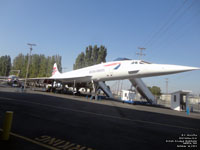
134	62
144	62
121	59
140	62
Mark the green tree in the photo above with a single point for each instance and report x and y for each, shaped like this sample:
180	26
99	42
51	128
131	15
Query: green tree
90	61
40	65
155	90
80	61
43	66
20	63
88	54
49	66
5	65
102	54
34	66
93	55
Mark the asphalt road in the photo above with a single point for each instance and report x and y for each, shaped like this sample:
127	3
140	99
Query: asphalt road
44	121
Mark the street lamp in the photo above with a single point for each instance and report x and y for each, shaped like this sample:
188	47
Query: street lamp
31	45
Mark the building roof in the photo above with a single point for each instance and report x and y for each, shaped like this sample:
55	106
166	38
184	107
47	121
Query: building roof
183	92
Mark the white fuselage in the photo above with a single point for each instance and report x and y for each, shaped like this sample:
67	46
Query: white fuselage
125	69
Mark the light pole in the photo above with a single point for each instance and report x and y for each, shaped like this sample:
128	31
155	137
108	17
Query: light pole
31	45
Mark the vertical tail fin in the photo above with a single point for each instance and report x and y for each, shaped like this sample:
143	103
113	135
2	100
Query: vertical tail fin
55	71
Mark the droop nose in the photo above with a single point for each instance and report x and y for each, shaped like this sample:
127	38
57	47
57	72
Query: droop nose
177	68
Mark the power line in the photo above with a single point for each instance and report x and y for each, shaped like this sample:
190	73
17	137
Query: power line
176	19
150	35
165	25
140	54
185	28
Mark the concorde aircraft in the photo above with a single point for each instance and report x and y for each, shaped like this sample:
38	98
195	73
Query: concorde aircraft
117	70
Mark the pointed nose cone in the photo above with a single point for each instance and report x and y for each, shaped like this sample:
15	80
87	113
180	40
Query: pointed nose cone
161	69
176	68
182	68
193	68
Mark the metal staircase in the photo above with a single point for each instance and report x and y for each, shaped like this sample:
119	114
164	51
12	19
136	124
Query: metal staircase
105	89
143	90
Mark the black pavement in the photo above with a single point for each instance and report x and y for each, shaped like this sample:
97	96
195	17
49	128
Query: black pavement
48	122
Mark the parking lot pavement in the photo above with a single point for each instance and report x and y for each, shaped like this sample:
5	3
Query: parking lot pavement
53	121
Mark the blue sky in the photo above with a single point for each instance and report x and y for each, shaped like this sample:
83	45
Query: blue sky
169	30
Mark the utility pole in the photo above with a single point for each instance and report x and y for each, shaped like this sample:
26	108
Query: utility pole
6	70
140	54
166	85
31	45
121	85
118	87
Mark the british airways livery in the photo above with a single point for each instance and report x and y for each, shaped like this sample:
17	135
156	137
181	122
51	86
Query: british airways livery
117	70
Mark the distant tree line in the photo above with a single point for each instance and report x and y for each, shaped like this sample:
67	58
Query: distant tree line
40	65
93	55
5	65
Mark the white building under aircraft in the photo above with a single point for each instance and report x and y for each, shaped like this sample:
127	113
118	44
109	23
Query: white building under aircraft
127	95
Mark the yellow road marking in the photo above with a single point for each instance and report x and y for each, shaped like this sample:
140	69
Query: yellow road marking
32	141
92	113
53	141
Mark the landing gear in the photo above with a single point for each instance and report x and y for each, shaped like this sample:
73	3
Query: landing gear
95	89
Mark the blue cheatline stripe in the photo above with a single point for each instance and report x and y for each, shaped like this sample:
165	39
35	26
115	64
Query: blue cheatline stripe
117	67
